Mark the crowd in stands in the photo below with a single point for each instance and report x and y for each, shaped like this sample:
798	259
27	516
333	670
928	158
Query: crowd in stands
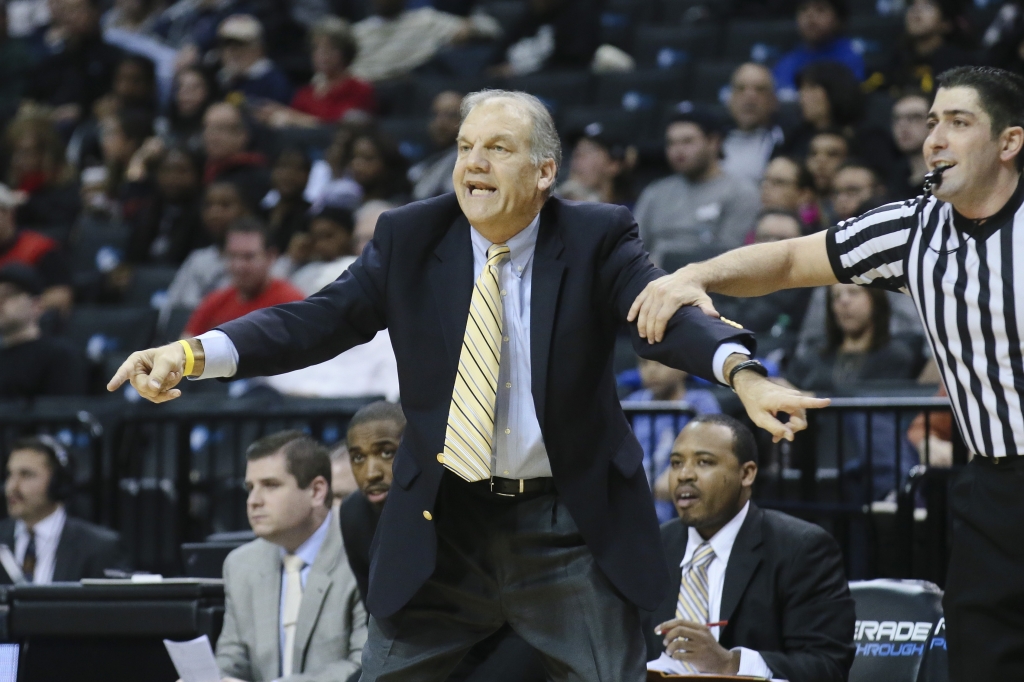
191	161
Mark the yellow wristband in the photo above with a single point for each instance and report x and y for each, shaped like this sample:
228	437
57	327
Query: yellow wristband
190	359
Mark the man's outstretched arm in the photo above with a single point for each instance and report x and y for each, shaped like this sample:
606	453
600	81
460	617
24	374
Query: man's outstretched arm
750	271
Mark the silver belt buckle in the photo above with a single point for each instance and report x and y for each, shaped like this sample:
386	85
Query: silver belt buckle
506	494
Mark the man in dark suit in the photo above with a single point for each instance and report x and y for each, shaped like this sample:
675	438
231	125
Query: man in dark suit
774	582
374	434
519	497
48	545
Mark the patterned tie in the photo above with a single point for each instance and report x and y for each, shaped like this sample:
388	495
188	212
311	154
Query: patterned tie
470	435
28	565
693	589
292	600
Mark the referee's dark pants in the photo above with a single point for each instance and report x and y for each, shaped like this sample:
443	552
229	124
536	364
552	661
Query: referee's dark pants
519	560
984	599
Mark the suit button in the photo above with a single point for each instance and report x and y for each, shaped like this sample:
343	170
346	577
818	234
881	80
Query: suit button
428	516
440	458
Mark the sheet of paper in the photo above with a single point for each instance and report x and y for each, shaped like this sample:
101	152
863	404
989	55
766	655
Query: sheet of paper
194	660
671	666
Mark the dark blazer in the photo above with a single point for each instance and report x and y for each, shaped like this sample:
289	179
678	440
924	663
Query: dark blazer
502	657
416	278
785	596
83	551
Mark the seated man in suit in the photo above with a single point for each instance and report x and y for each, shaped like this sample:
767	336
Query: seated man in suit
374	434
292	609
49	545
775	583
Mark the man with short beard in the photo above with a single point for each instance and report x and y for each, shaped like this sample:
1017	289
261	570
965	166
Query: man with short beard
773	583
701	204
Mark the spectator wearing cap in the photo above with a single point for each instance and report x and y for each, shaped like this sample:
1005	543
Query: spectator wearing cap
600	168
43	255
333	92
245	71
330	232
226	139
754	137
819	23
191	25
700	205
32	365
433	175
396	40
81	71
249	256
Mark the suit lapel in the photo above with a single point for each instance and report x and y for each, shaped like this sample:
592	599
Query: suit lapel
267	612
318	584
451	278
548	273
743	561
66	553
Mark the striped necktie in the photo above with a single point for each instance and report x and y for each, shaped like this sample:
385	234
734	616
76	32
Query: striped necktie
693	589
470	436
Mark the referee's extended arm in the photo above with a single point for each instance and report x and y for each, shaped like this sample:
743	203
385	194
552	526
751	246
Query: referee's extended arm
749	271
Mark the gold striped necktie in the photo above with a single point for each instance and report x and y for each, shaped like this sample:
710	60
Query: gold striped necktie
469	440
692	604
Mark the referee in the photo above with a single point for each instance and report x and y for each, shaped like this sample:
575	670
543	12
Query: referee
960	255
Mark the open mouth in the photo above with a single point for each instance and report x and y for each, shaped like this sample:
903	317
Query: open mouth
687	498
943	165
377	494
480	189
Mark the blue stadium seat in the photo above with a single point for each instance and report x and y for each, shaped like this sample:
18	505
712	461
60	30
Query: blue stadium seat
100	331
557	89
760	41
410	134
149	283
711	81
674	47
643	89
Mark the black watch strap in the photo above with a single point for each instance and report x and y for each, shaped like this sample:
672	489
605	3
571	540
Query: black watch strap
753	365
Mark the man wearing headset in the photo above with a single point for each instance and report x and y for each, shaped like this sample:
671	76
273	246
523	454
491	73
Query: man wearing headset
49	545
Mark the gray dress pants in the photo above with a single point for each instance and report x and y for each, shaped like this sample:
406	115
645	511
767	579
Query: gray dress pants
517	560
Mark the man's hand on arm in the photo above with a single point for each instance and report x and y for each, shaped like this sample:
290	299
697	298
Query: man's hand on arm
155	372
660	300
764	400
693	643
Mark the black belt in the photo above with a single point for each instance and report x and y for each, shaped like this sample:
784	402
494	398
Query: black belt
1004	461
515	487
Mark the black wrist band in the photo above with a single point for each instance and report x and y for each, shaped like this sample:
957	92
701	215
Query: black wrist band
753	365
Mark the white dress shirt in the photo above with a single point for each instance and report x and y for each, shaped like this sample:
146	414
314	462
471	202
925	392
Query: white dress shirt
751	662
48	533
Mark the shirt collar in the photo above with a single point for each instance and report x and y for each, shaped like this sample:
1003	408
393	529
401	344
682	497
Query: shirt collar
46	529
309	549
1003	216
721	542
521	246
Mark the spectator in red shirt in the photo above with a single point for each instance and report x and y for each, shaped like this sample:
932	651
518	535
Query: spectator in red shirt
250	258
44	255
333	92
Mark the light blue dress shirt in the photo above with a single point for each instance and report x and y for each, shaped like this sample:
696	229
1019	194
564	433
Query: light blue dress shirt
519	450
308	552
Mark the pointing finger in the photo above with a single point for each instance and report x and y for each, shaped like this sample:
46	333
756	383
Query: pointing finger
123	374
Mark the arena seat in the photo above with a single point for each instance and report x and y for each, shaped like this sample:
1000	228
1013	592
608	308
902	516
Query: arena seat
99	331
148	284
641	89
710	80
900	632
410	134
557	89
760	41
674	46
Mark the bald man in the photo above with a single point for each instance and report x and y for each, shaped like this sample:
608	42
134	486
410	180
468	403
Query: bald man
752	106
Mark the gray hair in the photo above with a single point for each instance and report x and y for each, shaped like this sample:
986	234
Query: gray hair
544	141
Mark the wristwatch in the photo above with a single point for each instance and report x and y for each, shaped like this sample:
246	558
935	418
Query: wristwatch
753	365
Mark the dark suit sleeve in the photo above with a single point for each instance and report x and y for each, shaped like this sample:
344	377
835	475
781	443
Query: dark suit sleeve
817	616
344	314
692	337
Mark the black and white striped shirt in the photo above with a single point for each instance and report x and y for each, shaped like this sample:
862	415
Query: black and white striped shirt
961	276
